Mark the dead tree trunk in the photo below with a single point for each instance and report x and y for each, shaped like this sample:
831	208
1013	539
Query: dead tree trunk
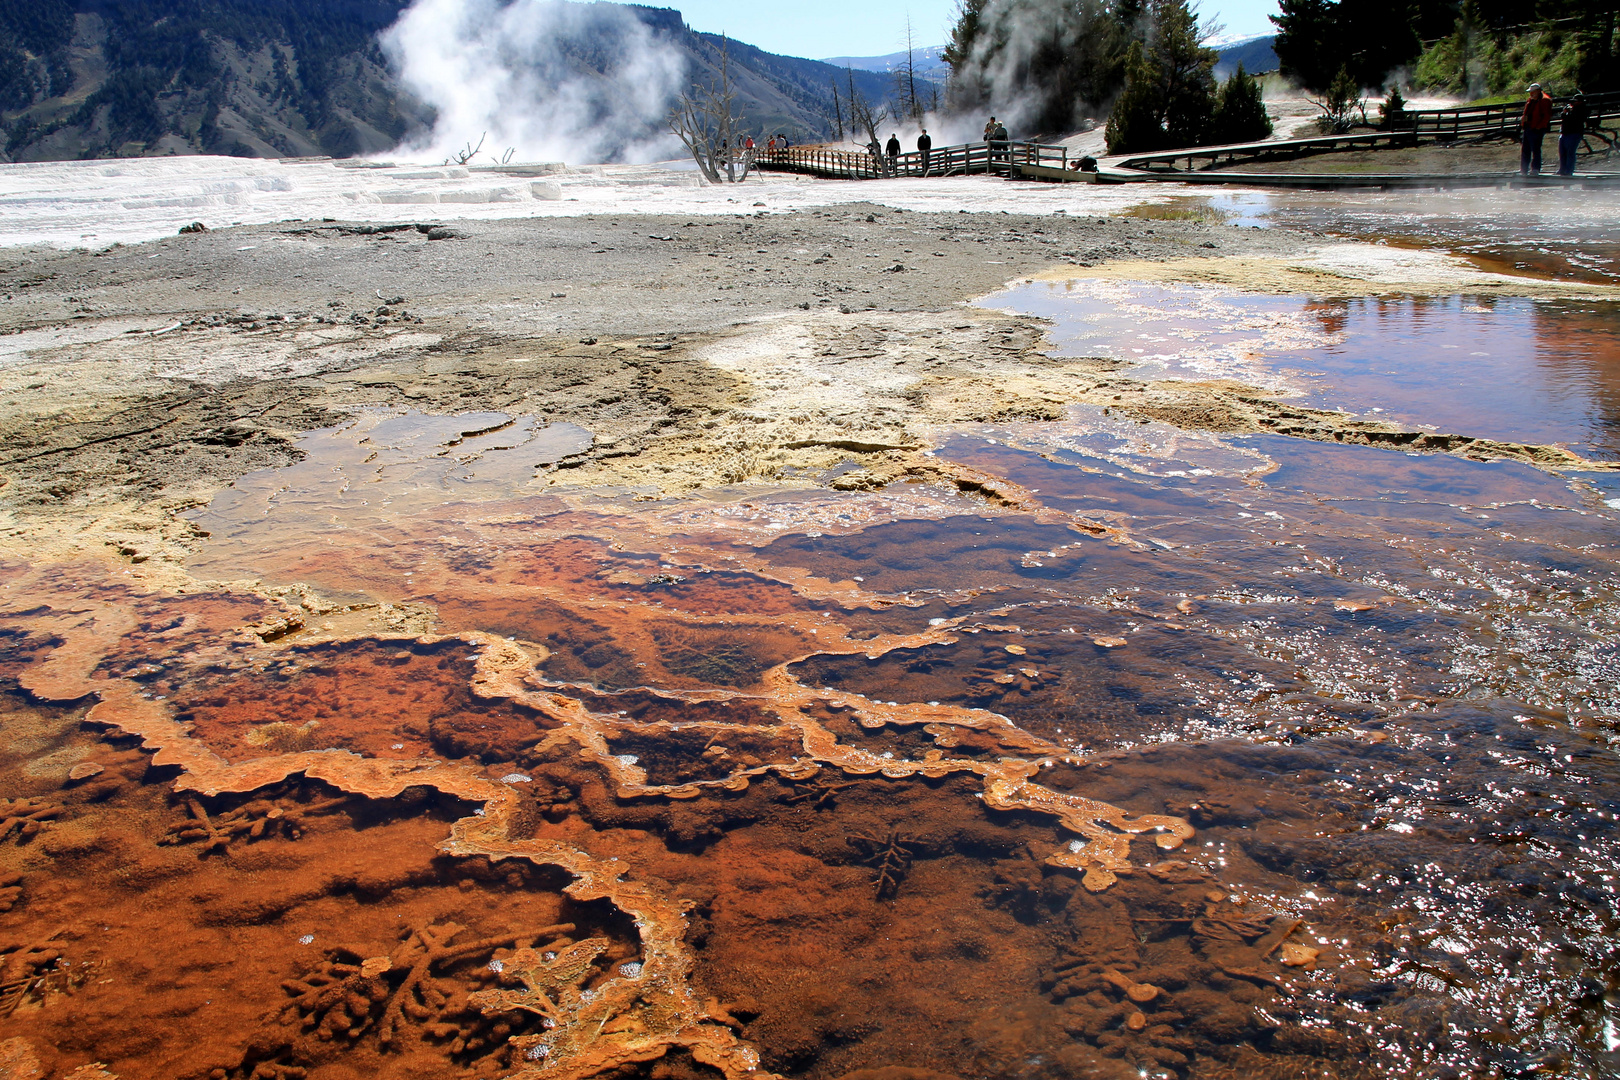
706	120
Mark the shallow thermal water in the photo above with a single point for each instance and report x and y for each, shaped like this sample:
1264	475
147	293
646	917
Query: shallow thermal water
1511	369
1209	756
1567	234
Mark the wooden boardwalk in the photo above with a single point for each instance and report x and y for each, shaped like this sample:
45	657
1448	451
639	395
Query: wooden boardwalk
1003	159
1482	123
1019	160
1381	181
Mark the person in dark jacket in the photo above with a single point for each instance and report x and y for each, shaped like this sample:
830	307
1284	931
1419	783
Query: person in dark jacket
998	143
892	149
1571	131
1534	123
924	145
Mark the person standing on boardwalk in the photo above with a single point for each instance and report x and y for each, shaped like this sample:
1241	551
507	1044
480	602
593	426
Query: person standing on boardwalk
1534	124
1571	132
998	143
892	149
924	145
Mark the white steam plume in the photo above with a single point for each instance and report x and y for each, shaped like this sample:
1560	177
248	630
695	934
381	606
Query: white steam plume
554	81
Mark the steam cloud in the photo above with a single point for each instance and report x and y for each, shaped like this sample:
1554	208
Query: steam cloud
556	81
1010	68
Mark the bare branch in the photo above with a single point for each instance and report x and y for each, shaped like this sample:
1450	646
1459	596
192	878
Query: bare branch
464	156
706	121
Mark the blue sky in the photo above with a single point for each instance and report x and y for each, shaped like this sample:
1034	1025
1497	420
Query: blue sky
818	28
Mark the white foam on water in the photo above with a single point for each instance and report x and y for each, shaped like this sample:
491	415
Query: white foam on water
94	204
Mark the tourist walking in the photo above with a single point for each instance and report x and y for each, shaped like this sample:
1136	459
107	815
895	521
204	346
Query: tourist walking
924	145
1571	132
1534	123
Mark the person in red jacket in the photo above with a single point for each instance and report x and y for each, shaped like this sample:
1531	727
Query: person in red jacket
1533	127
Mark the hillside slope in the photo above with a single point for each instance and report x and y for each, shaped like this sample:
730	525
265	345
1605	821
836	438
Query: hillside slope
287	78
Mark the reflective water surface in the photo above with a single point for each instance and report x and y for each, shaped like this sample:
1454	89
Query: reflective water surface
1517	370
1562	233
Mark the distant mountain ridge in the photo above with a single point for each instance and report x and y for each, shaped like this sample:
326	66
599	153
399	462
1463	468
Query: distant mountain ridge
1256	54
289	78
926	61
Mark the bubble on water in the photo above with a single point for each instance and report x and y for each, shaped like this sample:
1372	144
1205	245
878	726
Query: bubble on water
307	939
515	778
497	966
630	970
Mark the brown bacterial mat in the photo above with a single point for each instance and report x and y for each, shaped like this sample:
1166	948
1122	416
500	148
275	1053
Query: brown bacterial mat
996	792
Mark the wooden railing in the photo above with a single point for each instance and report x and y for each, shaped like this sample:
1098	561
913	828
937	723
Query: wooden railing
1480	123
1477	121
990	158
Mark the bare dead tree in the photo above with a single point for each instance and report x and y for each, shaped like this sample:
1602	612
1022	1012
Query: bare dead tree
913	107
864	116
930	101
707	121
838	111
461	157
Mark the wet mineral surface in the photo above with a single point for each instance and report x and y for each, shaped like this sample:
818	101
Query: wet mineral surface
861	696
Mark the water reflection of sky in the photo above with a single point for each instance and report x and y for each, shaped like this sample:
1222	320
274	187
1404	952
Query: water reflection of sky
1563	233
1512	369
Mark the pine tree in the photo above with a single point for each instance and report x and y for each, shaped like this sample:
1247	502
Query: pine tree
1169	96
1188	71
1305	32
1240	113
1135	125
964	35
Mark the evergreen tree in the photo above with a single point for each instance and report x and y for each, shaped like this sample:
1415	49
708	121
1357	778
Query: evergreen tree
1340	105
1240	113
1052	62
964	35
1304	30
1368	38
1169	95
1134	126
1188	71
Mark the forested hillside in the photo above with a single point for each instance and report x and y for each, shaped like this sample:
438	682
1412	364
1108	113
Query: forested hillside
1471	47
282	78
